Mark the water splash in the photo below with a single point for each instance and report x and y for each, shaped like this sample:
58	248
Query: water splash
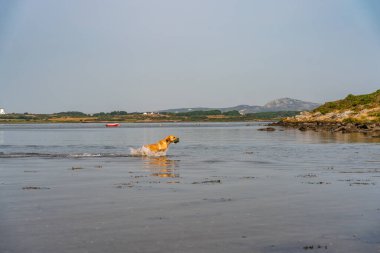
144	151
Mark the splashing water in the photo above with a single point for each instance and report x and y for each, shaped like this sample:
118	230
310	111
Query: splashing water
144	151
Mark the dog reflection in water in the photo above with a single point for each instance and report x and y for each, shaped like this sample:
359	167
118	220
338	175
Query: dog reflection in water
162	167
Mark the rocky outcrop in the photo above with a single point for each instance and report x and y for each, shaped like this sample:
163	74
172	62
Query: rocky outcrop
372	129
365	115
360	113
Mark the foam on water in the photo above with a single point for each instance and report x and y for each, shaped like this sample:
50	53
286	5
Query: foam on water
60	155
87	155
144	151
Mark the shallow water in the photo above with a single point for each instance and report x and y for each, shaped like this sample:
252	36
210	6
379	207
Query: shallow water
226	187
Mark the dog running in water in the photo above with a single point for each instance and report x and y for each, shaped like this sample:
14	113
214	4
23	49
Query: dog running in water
156	149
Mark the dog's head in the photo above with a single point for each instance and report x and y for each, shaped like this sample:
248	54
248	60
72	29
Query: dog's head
171	138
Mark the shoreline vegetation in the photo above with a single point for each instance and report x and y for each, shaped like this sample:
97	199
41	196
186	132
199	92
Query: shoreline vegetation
353	114
124	117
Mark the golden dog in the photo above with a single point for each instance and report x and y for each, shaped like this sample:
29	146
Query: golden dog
162	145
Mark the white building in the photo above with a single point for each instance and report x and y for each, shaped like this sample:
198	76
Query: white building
2	111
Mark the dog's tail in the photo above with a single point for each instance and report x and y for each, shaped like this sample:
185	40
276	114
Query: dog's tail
143	151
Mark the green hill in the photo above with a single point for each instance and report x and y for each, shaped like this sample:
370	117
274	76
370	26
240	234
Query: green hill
351	102
352	109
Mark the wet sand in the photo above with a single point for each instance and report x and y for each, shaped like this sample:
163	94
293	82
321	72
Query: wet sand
162	205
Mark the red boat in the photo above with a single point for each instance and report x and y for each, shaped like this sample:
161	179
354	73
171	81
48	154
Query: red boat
112	125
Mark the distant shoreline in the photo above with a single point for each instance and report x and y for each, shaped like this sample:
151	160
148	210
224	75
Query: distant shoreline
141	118
131	122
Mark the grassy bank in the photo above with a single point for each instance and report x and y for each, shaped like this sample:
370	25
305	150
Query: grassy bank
360	109
354	103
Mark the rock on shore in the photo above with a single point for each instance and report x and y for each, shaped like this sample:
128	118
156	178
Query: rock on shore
338	116
368	128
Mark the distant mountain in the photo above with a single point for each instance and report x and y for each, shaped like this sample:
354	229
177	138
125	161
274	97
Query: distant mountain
178	110
289	104
282	104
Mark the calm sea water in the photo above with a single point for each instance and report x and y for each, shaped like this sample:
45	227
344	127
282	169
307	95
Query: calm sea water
225	187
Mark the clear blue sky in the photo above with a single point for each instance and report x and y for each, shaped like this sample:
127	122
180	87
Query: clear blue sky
143	55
